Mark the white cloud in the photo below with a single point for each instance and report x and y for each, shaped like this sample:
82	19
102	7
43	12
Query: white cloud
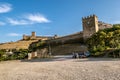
28	19
18	22
13	34
37	18
4	8
2	23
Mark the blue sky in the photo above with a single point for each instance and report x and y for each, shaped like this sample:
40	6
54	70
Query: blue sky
50	17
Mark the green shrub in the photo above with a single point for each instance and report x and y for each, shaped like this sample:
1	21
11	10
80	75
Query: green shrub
104	40
17	54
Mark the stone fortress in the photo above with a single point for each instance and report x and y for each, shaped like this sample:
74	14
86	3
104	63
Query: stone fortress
90	26
34	37
24	42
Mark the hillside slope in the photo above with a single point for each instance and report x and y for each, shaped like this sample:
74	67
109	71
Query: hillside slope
17	45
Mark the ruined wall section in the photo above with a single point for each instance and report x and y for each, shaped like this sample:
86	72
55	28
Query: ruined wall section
103	25
34	37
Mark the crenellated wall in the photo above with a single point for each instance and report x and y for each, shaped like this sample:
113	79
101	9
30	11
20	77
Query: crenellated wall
34	37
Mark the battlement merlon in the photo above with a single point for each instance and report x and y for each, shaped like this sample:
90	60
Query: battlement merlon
87	17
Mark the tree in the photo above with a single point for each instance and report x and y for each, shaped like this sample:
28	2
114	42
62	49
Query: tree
104	39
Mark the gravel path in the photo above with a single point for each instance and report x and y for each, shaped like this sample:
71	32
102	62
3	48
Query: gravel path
61	68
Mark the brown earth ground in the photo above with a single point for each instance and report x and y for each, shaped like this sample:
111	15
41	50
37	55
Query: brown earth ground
61	68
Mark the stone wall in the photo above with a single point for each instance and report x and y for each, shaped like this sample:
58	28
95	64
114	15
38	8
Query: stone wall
75	36
103	25
34	37
64	49
67	49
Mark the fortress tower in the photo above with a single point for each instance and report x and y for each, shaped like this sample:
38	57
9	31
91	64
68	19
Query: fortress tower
33	35
24	37
90	25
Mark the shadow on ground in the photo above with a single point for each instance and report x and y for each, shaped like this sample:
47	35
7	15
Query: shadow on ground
55	58
65	58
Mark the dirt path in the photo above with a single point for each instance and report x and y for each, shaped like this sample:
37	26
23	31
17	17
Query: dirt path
61	68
